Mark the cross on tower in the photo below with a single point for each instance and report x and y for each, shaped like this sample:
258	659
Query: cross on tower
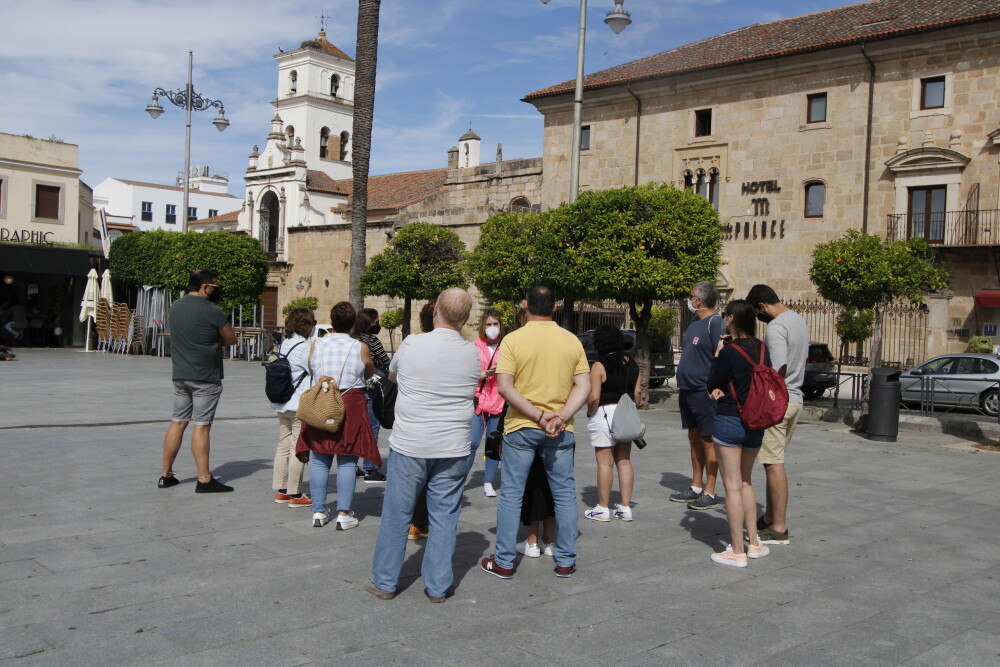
323	16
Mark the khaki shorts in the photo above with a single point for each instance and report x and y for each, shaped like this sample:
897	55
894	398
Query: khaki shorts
777	437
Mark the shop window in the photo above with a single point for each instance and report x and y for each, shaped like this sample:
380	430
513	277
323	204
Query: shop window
47	201
147	211
171	214
192	213
817	108
703	123
932	92
585	138
213	212
815	199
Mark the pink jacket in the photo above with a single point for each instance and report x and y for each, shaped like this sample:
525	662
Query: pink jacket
490	400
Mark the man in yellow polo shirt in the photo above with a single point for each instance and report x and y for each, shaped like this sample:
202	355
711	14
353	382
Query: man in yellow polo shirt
543	374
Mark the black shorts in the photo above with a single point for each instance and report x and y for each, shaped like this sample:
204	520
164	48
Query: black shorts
697	411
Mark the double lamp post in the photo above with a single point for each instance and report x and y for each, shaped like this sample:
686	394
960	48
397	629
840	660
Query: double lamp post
191	101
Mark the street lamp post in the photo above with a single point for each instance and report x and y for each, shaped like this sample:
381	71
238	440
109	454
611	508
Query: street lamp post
191	101
617	19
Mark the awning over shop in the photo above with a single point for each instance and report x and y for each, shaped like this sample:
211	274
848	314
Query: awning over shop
44	260
988	298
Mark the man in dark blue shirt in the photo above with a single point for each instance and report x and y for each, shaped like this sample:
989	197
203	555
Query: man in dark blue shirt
698	410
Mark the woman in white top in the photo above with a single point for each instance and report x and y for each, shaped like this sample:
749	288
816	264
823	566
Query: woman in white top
287	477
349	362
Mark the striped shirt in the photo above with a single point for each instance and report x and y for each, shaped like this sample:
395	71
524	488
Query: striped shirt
379	357
329	356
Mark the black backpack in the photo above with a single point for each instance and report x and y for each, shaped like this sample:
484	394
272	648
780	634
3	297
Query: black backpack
278	383
383	392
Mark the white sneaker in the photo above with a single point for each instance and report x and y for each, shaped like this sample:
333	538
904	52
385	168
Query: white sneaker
320	519
489	490
529	550
598	514
623	513
549	550
346	521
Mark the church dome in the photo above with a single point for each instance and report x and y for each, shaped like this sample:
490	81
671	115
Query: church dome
469	136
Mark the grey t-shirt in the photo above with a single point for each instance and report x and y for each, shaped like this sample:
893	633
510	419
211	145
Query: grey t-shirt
698	354
437	374
195	348
787	340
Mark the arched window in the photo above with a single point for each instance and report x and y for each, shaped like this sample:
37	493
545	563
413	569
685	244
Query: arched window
520	204
704	184
344	138
293	82
334	85
815	198
270	221
324	141
290	133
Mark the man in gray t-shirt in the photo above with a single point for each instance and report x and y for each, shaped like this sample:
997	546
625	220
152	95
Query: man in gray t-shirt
437	373
198	331
787	340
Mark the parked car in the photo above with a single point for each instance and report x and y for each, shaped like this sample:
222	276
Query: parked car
661	354
321	330
965	380
821	372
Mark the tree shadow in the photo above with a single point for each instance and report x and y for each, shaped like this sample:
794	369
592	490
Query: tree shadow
675	481
232	470
707	527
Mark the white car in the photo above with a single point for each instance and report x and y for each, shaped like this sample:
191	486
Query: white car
965	380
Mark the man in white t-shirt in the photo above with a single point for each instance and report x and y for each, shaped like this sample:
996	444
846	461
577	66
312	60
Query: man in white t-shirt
787	340
437	374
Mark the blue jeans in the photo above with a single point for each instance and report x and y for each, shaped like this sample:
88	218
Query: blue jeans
519	450
319	477
406	476
484	424
376	427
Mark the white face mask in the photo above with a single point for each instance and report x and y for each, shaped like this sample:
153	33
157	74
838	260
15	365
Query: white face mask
492	332
691	307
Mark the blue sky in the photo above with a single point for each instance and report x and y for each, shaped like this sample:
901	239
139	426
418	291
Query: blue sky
84	70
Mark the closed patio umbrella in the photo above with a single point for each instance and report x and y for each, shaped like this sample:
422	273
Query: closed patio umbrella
88	307
106	292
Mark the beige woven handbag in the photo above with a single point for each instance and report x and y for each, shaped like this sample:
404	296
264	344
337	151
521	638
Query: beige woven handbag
322	405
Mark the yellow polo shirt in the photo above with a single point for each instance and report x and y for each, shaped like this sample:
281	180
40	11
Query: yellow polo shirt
543	358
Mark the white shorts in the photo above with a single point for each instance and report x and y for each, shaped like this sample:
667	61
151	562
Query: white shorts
599	426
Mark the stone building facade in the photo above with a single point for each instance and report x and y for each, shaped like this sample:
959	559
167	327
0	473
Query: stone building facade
880	116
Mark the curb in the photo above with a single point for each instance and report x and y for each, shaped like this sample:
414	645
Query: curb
950	424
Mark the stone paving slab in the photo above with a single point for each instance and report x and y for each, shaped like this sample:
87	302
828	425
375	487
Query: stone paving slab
894	557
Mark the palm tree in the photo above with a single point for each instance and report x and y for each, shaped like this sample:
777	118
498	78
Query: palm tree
364	110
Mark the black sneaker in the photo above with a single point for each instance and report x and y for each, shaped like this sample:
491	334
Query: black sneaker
212	486
167	481
762	525
374	477
703	502
685	496
358	472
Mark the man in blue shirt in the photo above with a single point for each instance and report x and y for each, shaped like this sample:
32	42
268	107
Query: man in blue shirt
698	410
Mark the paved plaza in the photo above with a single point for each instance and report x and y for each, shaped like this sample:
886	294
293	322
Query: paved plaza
894	557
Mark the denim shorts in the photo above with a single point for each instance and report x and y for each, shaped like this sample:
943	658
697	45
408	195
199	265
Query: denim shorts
730	432
196	401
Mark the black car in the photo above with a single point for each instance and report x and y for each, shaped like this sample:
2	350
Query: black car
661	354
821	373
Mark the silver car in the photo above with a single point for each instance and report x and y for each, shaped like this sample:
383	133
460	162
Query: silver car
964	380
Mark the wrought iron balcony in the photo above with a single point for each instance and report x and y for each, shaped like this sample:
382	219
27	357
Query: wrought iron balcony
949	228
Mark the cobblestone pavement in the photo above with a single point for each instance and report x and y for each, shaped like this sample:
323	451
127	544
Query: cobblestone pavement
894	557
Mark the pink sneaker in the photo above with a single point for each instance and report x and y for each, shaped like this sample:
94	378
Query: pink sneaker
727	557
757	550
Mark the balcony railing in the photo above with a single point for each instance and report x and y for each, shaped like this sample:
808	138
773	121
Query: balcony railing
950	228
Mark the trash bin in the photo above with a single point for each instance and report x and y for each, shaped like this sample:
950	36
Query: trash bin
883	405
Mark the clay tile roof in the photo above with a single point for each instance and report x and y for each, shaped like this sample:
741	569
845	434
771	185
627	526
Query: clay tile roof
854	24
318	181
321	44
232	216
394	191
469	135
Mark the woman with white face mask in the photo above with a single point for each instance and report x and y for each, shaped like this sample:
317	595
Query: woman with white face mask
489	403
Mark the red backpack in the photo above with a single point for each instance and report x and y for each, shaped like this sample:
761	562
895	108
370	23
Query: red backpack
767	399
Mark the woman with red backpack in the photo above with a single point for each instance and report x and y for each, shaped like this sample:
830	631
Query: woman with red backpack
736	445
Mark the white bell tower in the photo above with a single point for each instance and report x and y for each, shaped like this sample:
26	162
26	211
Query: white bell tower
316	103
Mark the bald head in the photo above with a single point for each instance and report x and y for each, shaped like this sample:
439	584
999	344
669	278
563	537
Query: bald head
452	309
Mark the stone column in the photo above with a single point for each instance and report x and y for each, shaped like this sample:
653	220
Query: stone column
937	324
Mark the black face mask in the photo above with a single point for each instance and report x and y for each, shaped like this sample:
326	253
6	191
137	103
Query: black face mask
764	317
375	329
216	295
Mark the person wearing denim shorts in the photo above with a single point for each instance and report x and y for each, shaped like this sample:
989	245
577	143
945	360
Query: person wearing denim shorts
198	332
543	374
736	446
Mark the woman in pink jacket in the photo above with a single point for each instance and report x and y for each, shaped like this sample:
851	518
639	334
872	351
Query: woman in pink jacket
489	403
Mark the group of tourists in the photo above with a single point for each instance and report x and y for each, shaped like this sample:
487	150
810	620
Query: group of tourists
526	384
